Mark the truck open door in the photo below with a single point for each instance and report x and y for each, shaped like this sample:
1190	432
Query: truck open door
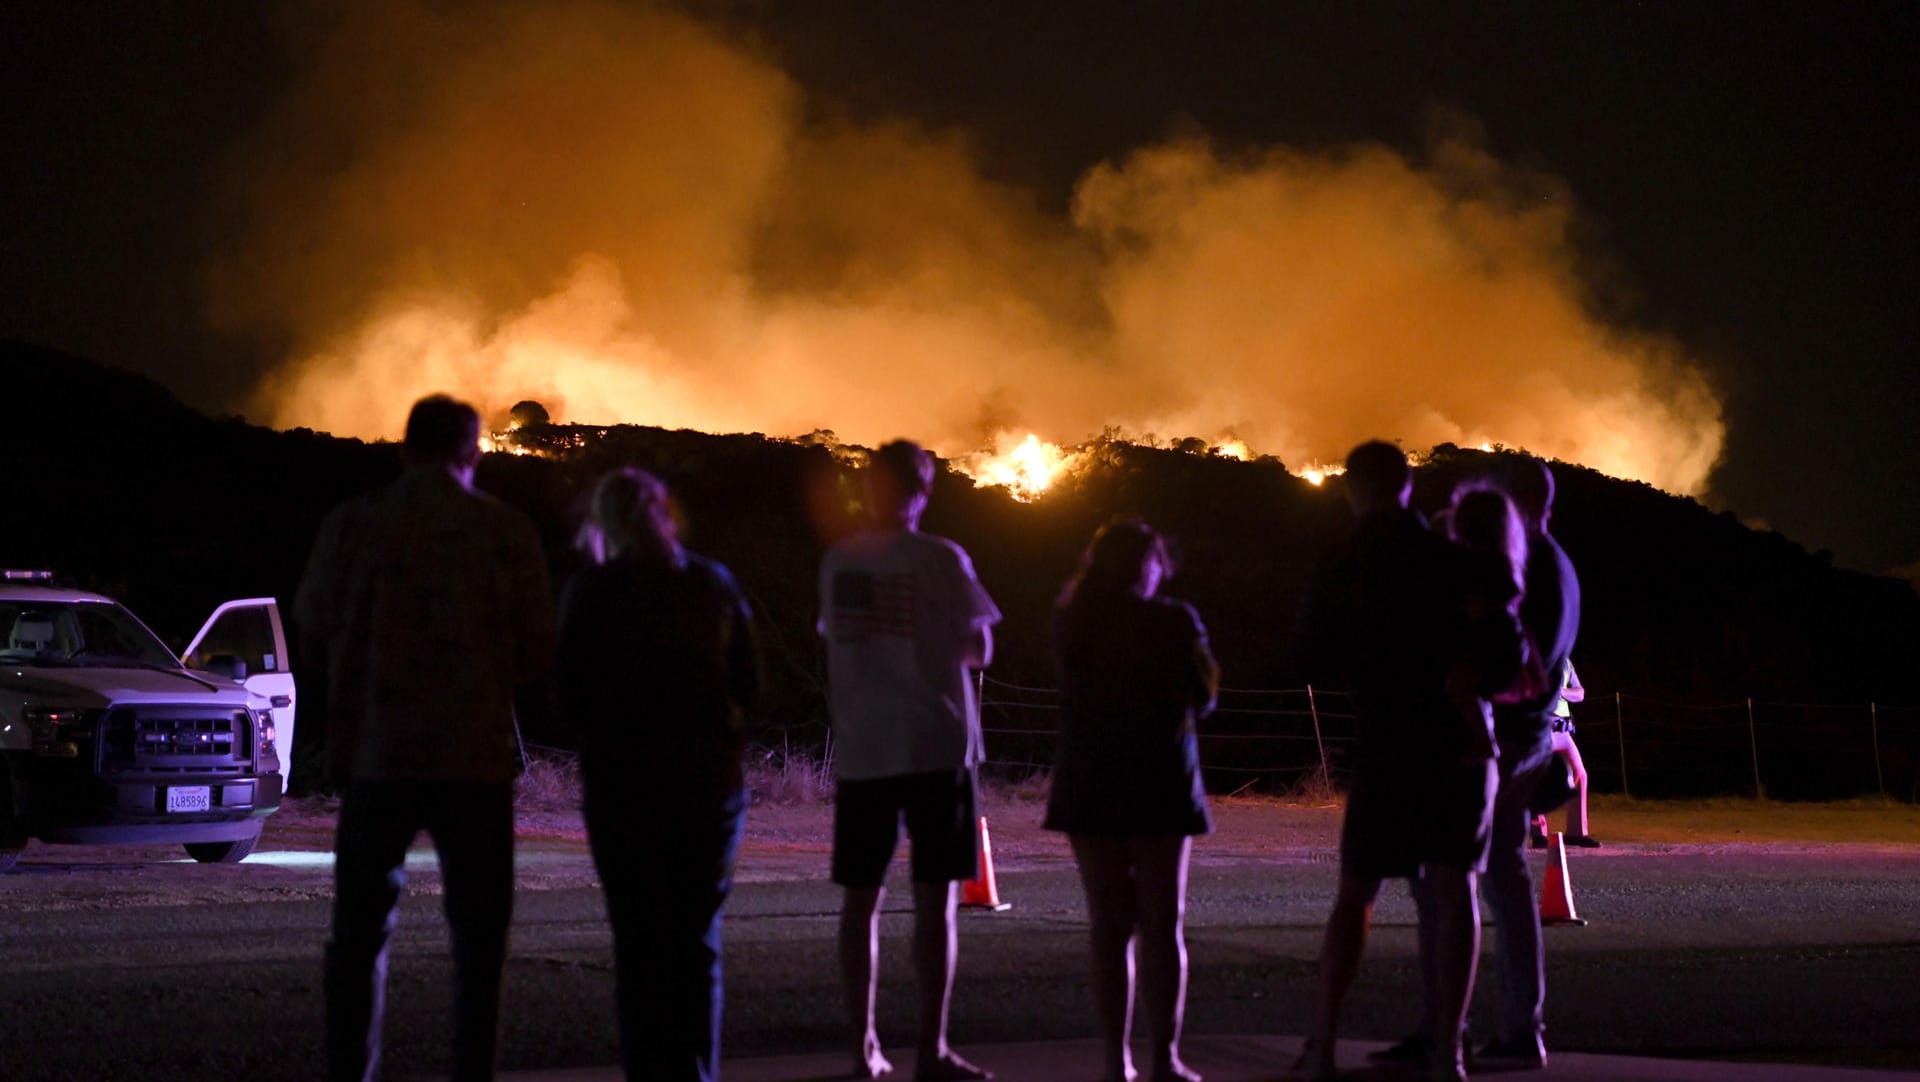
251	630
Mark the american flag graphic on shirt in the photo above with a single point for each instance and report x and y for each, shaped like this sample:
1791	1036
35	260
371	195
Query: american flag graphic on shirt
867	605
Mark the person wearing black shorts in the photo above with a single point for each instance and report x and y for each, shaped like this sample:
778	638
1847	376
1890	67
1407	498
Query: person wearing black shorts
906	624
1387	616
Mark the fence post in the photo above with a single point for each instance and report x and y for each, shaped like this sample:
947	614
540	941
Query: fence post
1873	716
1620	726
1753	744
1313	709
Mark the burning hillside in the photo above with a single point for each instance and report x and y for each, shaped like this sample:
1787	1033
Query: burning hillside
634	218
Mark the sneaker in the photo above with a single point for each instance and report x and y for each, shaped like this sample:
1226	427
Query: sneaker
1584	841
1523	1053
1413	1051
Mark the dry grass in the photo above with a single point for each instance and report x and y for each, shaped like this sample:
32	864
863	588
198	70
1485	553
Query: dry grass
1314	788
787	777
1868	820
1030	787
551	782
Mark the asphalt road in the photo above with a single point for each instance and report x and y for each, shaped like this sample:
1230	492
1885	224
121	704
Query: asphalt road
119	966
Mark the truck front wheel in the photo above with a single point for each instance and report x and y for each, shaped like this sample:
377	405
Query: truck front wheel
232	852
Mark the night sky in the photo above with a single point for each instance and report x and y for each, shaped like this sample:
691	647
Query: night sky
1743	173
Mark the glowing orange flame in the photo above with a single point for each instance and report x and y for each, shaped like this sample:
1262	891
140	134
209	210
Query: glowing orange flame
502	443
1025	468
1318	474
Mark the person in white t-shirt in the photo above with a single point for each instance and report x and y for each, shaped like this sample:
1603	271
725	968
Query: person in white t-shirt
906	623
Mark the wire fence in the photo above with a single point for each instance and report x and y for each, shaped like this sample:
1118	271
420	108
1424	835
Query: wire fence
1279	739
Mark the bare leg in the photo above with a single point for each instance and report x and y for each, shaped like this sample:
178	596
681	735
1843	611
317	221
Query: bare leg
1160	885
1346	940
1456	941
1577	808
859	973
1107	877
935	951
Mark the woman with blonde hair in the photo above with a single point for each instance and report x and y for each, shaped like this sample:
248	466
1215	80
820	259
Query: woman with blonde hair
658	667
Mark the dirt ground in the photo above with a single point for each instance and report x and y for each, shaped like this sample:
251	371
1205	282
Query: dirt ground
1260	824
791	840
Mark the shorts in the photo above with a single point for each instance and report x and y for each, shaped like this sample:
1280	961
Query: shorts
1403	815
939	809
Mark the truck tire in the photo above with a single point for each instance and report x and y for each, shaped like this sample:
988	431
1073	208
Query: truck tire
232	852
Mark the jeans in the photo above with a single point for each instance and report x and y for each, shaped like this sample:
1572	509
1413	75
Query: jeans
471	825
1508	890
667	867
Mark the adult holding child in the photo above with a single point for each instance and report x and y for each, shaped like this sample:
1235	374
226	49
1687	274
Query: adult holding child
1136	673
1388	615
658	668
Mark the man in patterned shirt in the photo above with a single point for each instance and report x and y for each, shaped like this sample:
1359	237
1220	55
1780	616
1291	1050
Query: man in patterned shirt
427	606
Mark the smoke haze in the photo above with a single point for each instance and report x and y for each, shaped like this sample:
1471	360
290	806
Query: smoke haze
631	217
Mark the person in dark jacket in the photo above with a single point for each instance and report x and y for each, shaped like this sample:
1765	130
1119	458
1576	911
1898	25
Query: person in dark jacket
1550	613
1136	673
658	667
426	610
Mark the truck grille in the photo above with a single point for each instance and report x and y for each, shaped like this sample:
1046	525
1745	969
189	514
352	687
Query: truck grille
177	739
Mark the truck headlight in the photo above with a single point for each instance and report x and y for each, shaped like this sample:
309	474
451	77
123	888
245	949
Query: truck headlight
57	732
263	726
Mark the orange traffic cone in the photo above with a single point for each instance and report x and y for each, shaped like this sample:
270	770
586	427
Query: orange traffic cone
980	892
1556	889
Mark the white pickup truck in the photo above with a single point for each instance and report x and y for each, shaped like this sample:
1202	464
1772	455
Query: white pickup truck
107	737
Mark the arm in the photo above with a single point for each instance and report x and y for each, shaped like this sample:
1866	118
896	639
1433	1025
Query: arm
745	674
1205	688
979	610
1573	692
979	647
321	596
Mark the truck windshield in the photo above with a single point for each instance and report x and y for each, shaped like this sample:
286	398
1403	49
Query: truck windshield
78	633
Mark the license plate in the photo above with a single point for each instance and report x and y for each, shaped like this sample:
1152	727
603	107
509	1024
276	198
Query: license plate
191	798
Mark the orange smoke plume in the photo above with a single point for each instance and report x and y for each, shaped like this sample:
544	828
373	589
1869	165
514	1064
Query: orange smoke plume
624	214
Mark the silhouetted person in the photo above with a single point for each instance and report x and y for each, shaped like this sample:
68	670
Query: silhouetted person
658	666
906	623
1563	746
1136	673
1551	615
1386	616
428	605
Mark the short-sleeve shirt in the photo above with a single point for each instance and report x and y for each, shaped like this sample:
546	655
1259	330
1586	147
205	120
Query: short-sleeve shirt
898	609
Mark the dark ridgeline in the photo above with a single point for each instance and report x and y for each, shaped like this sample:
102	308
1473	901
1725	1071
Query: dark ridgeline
111	481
